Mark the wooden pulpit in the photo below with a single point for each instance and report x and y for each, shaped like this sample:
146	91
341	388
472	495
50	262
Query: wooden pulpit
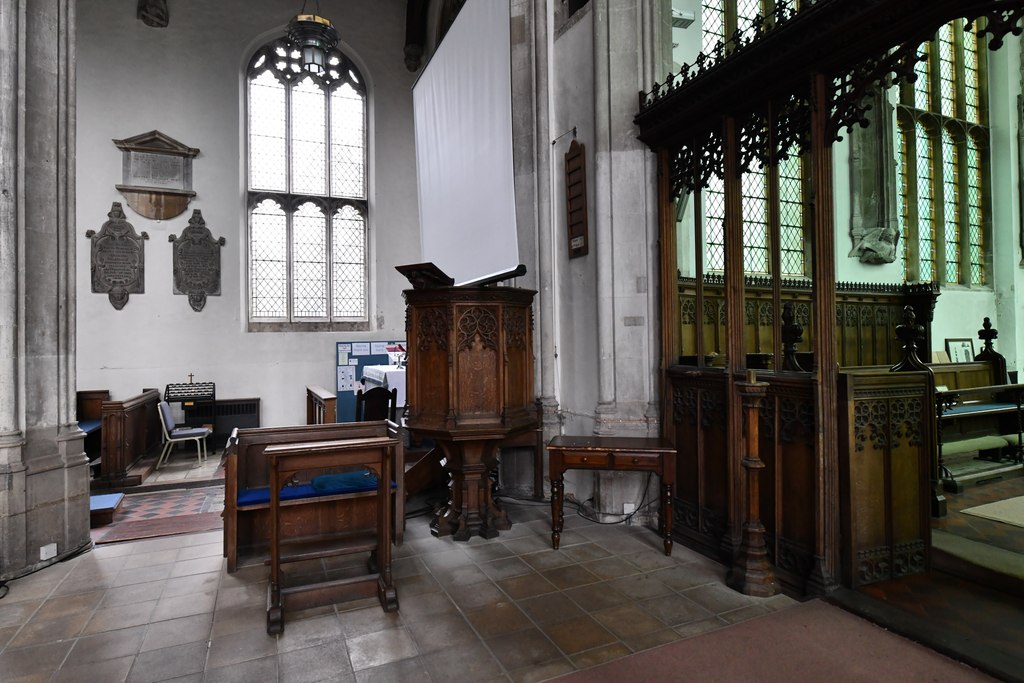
469	386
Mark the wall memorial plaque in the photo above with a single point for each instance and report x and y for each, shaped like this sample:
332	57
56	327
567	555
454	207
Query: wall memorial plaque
197	262
118	258
156	174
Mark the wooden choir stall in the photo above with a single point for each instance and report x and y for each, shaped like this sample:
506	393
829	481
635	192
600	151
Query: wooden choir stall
838	475
469	387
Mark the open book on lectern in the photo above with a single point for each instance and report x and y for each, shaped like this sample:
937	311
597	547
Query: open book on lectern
429	276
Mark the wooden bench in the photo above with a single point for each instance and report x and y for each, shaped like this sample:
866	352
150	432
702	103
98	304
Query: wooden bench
977	412
89	409
130	429
247	518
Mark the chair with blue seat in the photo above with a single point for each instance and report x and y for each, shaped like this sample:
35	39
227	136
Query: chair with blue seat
173	435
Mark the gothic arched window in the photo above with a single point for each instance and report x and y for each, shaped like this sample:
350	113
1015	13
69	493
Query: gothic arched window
942	151
306	181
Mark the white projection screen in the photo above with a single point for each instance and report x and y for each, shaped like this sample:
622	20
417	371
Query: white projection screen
462	105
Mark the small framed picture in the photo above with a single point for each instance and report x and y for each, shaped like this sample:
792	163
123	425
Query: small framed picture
960	350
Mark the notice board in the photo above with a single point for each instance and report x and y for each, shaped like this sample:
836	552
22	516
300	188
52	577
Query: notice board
350	358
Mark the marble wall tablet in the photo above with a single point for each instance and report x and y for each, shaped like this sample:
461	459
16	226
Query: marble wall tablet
118	258
197	262
156	174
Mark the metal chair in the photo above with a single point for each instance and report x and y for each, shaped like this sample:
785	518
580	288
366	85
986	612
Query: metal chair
376	404
173	435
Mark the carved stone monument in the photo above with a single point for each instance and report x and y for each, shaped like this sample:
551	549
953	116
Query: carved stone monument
118	258
197	262
156	174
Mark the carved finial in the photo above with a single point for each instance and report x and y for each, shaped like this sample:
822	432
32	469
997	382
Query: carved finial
987	333
909	332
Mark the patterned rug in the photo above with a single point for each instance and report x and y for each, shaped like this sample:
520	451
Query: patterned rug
1010	511
169	526
164	513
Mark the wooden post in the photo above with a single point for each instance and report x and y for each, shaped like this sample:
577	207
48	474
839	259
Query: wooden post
752	573
826	546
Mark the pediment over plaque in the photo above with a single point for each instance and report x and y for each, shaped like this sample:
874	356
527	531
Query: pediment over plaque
118	258
156	174
197	262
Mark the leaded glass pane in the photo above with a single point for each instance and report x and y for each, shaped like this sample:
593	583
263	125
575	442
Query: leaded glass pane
268	261
267	154
925	206
922	86
791	218
348	137
951	207
972	78
902	200
309	262
714	225
712	26
348	260
947	74
746	10
755	222
309	138
974	232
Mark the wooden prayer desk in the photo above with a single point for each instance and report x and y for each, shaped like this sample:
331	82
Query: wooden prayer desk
616	453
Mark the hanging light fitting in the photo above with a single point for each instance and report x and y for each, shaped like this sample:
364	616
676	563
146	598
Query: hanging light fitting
314	36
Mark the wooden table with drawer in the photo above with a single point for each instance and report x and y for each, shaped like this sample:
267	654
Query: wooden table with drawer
616	453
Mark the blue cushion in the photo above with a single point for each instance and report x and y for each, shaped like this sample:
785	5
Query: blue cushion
323	485
345	482
89	426
107	501
189	432
968	408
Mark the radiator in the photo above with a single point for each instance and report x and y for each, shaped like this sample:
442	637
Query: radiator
224	414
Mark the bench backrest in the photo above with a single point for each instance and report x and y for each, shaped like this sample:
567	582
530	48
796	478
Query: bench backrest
246	466
955	376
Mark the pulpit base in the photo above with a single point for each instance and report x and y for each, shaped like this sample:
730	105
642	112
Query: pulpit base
471	509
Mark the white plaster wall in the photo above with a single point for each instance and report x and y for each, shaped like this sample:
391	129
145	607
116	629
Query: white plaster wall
1005	72
186	81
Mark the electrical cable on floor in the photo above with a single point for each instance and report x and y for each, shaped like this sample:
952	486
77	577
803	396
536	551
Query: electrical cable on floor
3	589
642	505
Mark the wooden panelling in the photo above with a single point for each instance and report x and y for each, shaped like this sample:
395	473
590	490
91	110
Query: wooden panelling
887	423
866	319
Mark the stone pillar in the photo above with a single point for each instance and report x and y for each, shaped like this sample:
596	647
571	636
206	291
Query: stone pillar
625	221
603	95
12	470
44	484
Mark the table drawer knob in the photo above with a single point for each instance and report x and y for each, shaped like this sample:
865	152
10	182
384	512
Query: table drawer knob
585	458
636	460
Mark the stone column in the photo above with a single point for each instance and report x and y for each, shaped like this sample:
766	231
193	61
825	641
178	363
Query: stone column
625	221
44	496
12	470
603	95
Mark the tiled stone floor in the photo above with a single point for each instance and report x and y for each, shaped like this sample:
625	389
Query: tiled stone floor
506	609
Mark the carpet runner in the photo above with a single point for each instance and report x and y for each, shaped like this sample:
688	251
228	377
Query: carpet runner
168	526
164	513
1010	511
812	641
